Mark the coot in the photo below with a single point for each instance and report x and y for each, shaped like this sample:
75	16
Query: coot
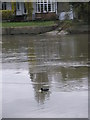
44	89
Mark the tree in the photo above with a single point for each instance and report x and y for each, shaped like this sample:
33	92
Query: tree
29	9
81	10
14	7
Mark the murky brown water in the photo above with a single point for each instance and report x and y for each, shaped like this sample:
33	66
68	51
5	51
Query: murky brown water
54	62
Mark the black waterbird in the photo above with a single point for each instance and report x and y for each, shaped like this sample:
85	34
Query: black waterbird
44	89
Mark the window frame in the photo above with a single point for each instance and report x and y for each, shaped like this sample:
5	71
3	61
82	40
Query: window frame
45	3
17	6
4	6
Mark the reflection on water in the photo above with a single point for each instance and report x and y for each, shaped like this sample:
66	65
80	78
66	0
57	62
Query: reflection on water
57	63
40	80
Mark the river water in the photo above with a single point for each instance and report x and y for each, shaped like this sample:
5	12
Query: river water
55	62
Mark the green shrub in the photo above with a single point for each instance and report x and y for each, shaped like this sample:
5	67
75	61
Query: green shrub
7	14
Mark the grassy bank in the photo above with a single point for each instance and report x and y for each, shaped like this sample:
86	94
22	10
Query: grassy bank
72	24
32	23
74	27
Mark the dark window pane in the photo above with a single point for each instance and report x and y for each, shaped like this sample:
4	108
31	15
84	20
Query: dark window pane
18	7
24	8
45	7
38	7
41	7
4	6
49	7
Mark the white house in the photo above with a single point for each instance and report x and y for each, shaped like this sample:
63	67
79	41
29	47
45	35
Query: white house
46	9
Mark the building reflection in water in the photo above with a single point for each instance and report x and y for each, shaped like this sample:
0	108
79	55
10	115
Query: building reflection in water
41	53
49	66
40	80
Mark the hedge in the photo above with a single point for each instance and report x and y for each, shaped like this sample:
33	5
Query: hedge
7	14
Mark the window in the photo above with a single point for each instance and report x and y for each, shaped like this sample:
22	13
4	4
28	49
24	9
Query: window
49	7
4	6
44	6
18	6
25	8
39	8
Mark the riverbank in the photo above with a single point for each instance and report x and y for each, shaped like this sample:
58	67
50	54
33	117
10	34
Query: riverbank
74	27
27	30
47	27
14	28
70	27
72	30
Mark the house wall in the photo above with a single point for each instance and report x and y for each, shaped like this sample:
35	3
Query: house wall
34	11
46	16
